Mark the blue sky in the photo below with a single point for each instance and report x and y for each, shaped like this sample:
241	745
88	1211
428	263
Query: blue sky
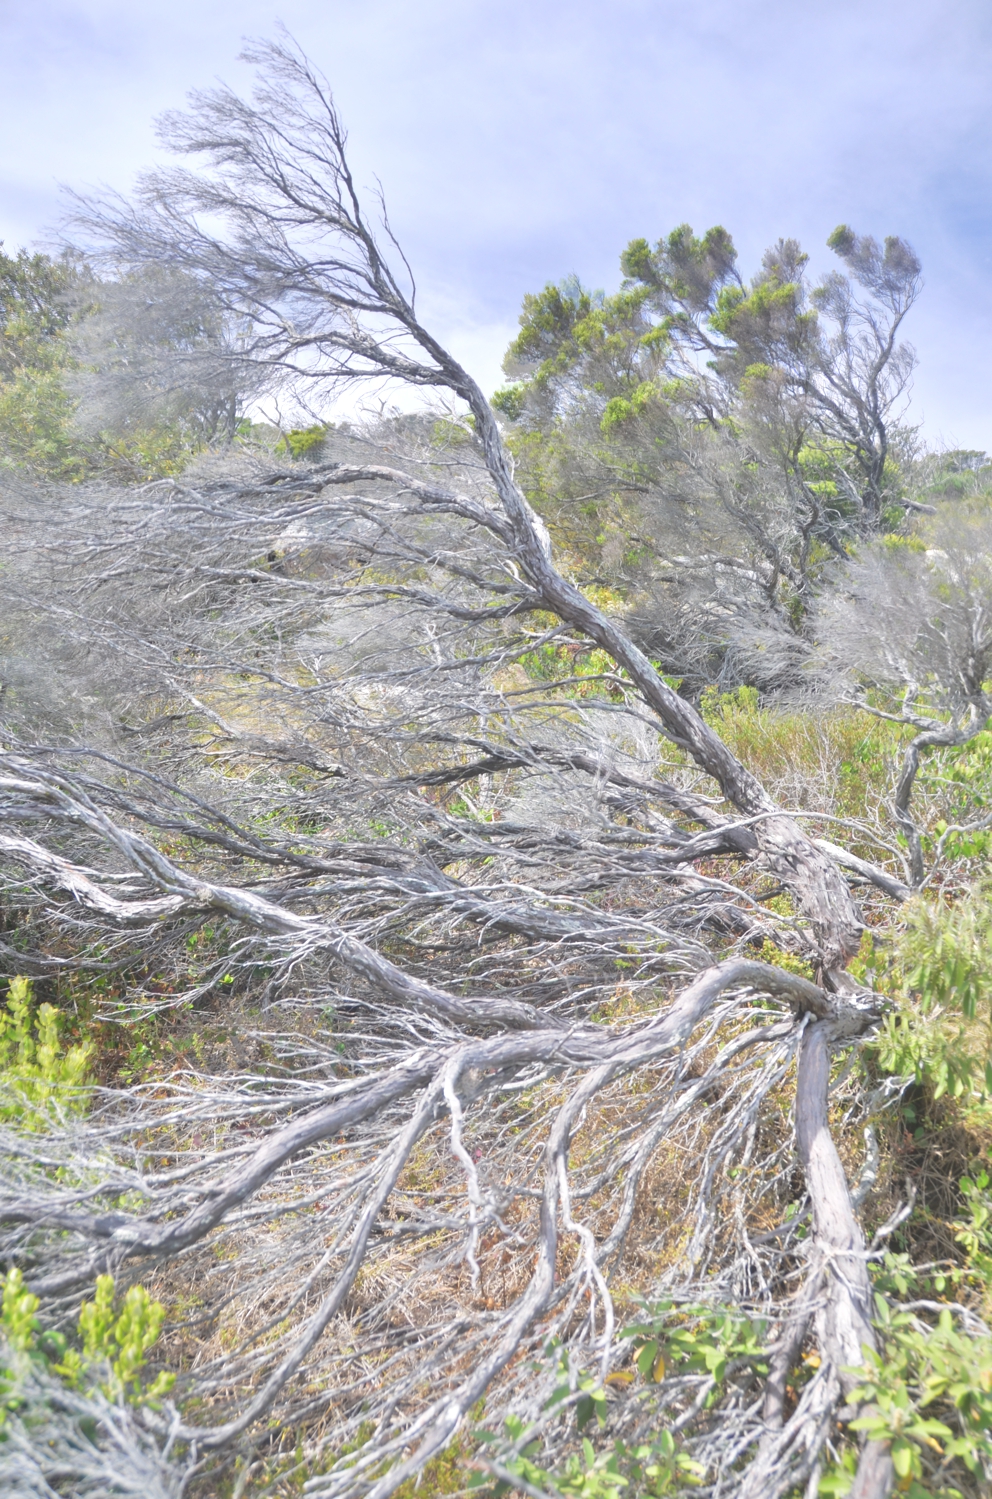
518	142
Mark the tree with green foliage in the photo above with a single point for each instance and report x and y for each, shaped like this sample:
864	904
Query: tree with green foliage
749	431
828	355
39	299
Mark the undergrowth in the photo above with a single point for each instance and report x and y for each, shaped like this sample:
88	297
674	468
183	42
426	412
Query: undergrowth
928	1392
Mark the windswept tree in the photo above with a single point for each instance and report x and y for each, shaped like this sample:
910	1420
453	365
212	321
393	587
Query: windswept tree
321	766
280	177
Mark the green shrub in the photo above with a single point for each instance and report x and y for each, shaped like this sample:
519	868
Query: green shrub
652	1468
696	1340
671	1340
304	442
946	954
974	1234
927	1392
40	1079
937	1054
930	1394
939	970
114	1344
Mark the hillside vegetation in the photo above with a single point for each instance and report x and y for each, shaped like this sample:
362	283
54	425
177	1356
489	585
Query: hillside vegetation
496	926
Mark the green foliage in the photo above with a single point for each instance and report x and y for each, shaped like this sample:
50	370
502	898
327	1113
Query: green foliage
926	1048
946	953
121	1342
624	408
671	1340
37	294
974	1234
927	1392
696	1339
937	969
510	401
143	451
693	1339
846	755
591	1395
304	442
689	363
575	343
896	543
553	327
768	322
787	960
718	708
114	1344
551	662
36	415
966	771
32	302
589	1476
41	1079
18	1313
44	302
683	273
921	1370
654	1468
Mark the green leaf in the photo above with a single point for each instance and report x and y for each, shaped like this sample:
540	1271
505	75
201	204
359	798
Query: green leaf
902	1458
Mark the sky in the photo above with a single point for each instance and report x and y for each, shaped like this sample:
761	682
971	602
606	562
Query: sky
521	141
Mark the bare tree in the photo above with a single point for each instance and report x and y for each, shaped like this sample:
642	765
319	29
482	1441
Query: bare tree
281	177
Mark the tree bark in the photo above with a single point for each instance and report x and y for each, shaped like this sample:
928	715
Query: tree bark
809	873
843	1322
